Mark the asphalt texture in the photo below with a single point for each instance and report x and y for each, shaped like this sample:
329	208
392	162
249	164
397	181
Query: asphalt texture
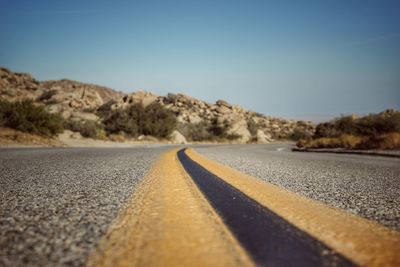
268	238
368	186
55	204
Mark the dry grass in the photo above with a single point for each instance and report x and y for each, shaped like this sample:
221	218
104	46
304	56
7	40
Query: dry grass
13	137
344	141
384	141
117	138
390	141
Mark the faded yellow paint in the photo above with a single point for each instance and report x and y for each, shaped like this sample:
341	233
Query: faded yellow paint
168	222
364	242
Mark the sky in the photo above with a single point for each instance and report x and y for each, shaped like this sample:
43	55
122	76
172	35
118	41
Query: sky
294	59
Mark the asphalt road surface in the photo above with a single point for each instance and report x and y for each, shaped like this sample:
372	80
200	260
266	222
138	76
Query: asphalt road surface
56	204
368	186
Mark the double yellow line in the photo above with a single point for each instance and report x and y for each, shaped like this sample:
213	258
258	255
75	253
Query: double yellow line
168	222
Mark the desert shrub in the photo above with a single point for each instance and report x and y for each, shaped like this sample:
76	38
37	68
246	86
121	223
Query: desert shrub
136	120
195	132
5	109
27	117
117	137
121	121
219	131
299	134
86	128
373	124
336	127
105	109
384	141
302	143
157	121
379	124
206	131
344	141
47	95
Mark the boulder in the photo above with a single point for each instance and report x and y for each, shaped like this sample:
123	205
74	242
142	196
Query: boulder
262	138
238	126
194	118
223	110
177	138
85	116
149	99
223	103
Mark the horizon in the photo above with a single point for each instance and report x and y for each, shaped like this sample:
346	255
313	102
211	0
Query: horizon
309	62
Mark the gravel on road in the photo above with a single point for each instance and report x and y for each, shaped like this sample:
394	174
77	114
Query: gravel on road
368	186
55	204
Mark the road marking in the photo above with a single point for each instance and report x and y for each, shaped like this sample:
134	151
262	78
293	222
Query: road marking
268	238
364	242
168	222
280	149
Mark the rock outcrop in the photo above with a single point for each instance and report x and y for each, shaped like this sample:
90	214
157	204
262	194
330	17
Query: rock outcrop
80	101
178	138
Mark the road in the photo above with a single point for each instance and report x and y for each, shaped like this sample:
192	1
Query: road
368	186
58	204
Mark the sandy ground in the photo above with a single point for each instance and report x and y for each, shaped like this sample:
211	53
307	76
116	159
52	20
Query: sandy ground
67	139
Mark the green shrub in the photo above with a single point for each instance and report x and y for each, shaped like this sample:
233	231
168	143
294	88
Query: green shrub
136	120
157	121
86	128
27	117
121	121
5	109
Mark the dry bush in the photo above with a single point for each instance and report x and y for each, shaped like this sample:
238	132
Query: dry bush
86	128
136	120
344	141
375	131
28	117
371	125
196	132
117	138
384	141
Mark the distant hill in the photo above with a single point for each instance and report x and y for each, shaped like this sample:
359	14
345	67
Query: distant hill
77	101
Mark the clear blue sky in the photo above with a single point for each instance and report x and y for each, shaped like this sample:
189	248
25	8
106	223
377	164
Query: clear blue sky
297	59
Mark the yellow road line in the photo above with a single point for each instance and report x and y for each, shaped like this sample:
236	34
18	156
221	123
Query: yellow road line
168	222
364	242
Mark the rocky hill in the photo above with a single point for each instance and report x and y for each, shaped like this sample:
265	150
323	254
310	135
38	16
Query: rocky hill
79	101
